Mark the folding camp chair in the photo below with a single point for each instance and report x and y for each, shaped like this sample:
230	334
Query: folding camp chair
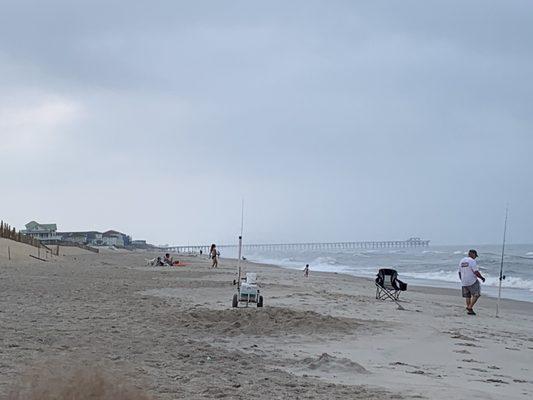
388	285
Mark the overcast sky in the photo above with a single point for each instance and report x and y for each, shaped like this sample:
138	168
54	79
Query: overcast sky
335	120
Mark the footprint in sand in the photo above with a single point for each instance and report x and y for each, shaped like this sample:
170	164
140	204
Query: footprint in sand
499	381
466	344
416	372
404	364
462	337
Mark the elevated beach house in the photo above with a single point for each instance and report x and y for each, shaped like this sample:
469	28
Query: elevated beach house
41	231
114	238
91	238
48	234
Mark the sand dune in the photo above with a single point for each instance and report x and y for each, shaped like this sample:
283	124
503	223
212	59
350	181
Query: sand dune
19	251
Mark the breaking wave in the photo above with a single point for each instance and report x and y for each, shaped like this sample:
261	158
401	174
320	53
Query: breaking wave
451	276
428	266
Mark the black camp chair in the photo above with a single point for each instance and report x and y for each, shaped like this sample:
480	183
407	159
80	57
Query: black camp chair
388	285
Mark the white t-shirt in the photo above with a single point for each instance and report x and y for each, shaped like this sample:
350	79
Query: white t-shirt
467	266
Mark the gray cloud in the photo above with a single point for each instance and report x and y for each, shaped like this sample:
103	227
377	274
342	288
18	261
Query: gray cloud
335	121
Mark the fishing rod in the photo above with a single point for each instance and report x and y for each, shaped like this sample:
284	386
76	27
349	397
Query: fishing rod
502	276
242	214
240	236
240	246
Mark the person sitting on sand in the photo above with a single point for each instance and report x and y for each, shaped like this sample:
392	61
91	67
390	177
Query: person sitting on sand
469	274
306	271
168	260
159	262
213	254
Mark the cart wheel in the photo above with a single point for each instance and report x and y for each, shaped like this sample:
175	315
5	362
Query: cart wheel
260	302
235	301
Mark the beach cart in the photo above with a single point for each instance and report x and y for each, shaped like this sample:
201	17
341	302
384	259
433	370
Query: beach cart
247	291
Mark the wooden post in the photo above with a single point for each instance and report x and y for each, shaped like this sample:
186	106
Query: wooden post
9	252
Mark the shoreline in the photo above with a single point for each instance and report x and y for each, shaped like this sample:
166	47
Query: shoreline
518	305
445	285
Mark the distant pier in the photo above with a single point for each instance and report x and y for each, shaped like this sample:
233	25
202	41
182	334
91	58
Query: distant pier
412	242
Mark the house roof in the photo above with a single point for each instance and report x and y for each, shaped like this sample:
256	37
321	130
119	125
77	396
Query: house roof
52	227
113	233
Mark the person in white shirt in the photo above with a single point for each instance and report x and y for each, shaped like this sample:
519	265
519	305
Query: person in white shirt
468	273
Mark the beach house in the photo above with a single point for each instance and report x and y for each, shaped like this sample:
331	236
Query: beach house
41	231
47	233
92	238
114	238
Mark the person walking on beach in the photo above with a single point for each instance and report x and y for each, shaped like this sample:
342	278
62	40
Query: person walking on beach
306	271
213	253
469	274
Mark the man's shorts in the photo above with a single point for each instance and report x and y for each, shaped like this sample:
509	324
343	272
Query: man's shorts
472	290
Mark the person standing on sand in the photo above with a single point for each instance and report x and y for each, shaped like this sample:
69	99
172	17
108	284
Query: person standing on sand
469	274
306	271
213	253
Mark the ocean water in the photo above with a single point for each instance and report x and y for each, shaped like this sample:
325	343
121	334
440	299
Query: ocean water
426	266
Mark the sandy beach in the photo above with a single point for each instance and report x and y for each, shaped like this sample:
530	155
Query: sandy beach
172	333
